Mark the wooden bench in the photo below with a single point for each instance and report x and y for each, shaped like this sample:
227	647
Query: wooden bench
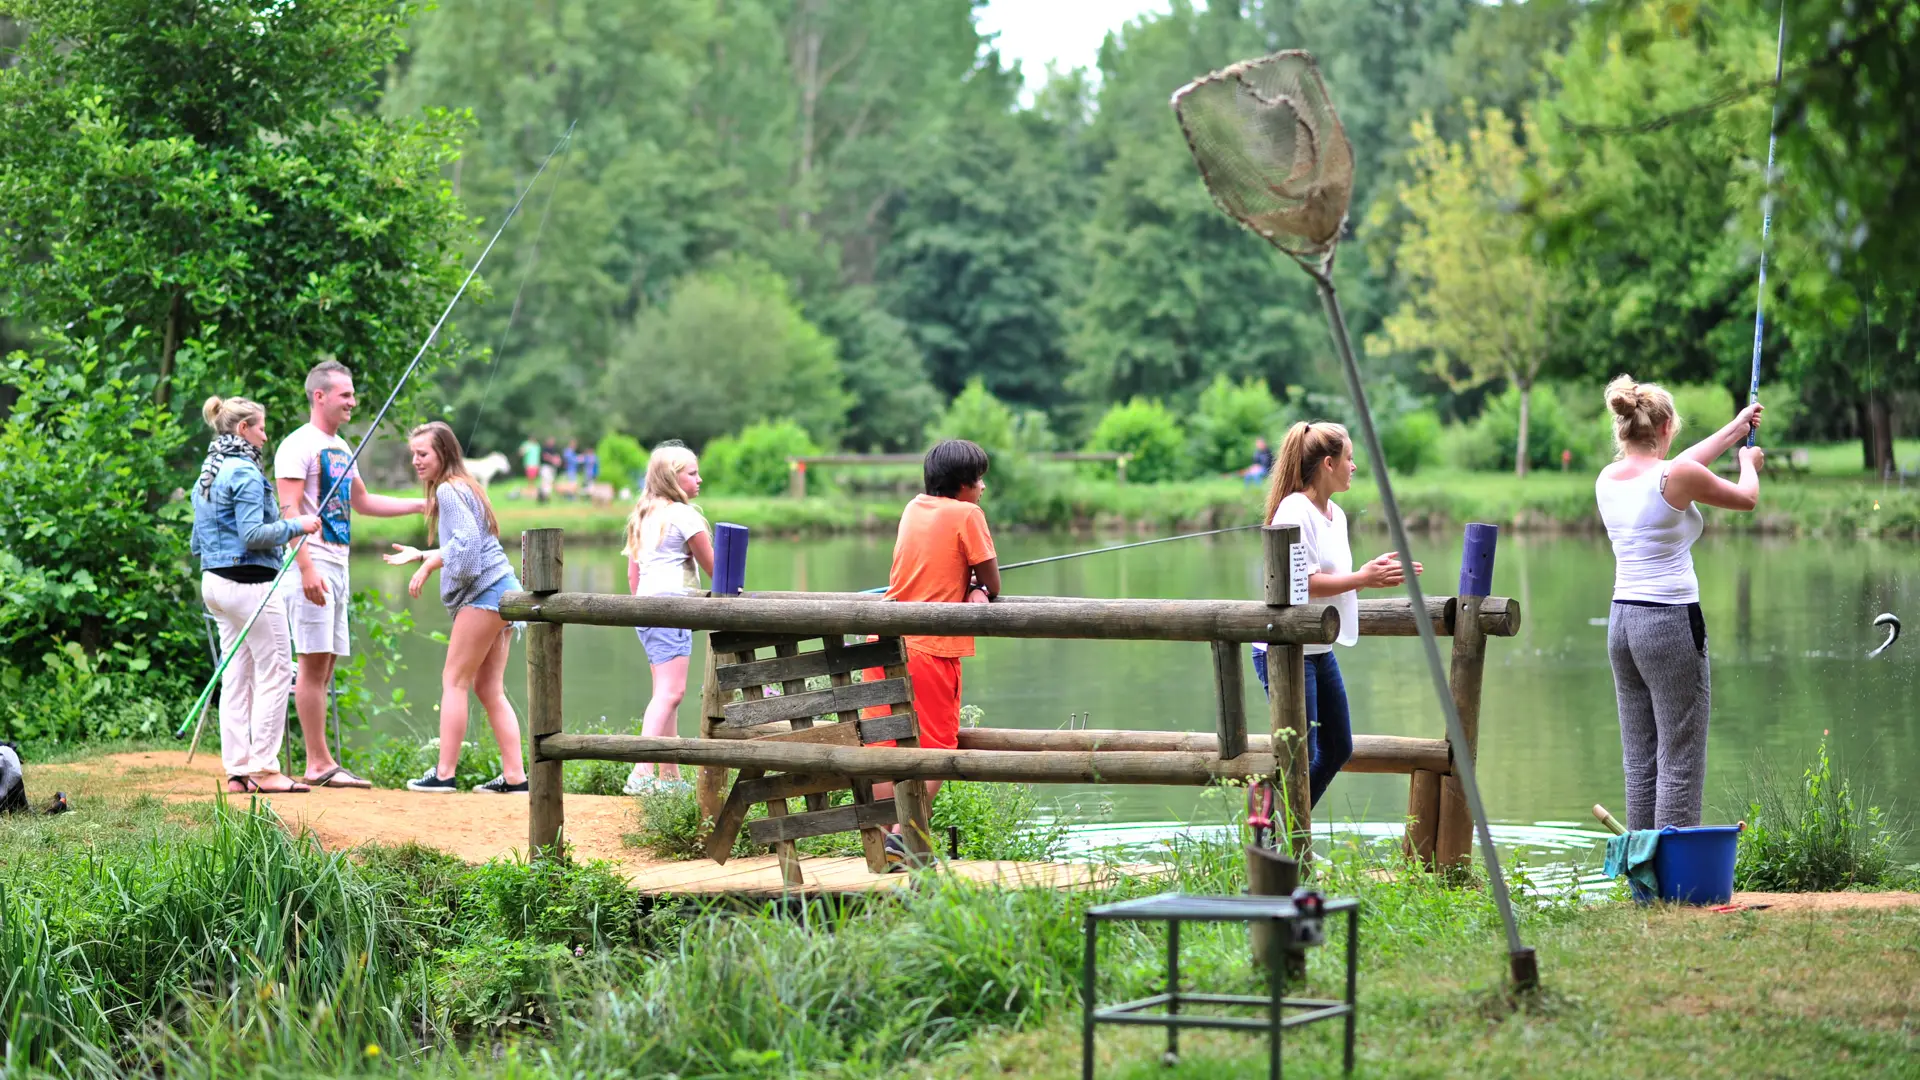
774	691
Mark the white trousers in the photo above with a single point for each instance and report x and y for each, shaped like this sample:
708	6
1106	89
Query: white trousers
253	692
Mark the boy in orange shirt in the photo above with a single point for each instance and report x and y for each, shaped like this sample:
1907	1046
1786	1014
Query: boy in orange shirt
942	553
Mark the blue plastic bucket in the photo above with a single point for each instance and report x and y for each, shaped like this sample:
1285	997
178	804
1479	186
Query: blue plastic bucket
1695	865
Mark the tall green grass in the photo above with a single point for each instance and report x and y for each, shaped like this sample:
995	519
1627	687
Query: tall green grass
230	948
1812	835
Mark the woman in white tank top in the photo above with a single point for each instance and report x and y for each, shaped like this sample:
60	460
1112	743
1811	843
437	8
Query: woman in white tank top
1656	634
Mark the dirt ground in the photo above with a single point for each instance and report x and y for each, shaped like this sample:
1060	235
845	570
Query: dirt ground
474	828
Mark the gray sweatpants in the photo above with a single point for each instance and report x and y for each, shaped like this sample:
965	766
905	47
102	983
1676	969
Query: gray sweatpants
1661	679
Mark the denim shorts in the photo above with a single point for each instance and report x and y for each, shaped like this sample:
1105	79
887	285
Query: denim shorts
489	598
664	643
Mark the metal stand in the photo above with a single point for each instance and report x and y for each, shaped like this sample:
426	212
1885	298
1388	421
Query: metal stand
1279	913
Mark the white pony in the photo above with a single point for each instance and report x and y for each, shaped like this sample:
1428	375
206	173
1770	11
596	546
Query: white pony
486	468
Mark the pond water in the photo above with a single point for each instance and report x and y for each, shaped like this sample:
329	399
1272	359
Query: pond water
1788	624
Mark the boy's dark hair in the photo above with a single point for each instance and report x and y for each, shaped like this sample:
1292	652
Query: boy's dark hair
952	465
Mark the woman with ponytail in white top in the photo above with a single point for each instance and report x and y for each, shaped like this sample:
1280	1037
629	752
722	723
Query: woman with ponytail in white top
1315	464
1656	634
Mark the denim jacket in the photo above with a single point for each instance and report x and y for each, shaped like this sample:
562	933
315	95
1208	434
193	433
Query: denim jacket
239	523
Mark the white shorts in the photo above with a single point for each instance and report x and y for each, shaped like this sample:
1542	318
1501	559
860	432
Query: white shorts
321	628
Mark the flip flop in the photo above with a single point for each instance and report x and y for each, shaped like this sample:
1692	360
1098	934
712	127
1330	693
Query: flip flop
236	785
294	787
338	777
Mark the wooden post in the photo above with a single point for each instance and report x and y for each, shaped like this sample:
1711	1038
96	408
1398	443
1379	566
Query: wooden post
1230	690
1423	815
710	784
541	566
1287	690
1453	842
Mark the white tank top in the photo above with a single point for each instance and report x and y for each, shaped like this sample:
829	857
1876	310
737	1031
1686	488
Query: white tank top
1652	542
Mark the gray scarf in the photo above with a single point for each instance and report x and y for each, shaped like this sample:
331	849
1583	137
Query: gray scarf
225	447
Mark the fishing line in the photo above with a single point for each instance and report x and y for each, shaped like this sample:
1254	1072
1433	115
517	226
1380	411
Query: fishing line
533	259
1101	550
197	715
1766	215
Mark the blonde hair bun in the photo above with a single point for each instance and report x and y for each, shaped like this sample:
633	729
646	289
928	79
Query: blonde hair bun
1641	412
225	415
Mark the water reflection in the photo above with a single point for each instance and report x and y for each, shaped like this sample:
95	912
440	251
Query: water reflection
1790	625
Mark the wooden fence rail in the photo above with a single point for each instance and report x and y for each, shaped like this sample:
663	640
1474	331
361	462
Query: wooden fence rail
1439	831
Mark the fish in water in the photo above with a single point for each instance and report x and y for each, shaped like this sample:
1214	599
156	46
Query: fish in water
1892	623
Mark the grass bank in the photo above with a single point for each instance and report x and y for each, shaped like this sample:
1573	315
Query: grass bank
156	939
1793	505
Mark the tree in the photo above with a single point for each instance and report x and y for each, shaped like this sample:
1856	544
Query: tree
1480	303
727	348
192	168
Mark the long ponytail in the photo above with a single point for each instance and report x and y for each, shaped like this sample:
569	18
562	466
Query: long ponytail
1308	446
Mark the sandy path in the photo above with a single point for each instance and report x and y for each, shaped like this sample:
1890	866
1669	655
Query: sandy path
475	828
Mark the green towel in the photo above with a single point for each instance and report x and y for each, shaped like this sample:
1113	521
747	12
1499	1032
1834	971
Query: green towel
1632	854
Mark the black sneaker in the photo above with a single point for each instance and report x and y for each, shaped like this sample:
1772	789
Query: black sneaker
499	786
432	782
896	854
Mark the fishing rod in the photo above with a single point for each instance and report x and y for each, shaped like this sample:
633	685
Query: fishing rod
1114	547
1766	214
197	716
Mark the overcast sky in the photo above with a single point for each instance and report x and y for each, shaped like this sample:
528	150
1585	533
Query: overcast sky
1066	32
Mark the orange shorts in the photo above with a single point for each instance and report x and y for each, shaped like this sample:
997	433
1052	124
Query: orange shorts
936	698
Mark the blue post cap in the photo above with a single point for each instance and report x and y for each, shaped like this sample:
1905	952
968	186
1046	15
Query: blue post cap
1476	559
729	559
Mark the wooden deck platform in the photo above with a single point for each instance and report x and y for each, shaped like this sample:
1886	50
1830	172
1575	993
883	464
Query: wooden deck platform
759	878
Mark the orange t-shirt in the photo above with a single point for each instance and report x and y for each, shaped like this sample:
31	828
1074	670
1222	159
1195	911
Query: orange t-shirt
940	540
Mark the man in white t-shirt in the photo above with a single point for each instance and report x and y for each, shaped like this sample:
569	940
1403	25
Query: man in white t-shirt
309	464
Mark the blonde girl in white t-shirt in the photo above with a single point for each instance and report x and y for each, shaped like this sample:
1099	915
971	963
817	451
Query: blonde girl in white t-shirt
666	539
1315	464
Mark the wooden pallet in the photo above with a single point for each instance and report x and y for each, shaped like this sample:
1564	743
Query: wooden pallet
774	690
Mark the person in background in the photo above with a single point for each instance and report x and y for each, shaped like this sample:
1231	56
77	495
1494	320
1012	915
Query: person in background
1656	634
311	464
474	575
1316	463
530	466
238	534
943	552
570	462
1262	461
667	539
590	464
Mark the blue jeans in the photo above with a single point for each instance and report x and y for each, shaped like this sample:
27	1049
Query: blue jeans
1329	725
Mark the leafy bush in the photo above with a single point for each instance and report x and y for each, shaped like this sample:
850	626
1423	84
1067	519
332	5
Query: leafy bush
1227	420
1150	433
729	346
1412	441
1549	431
623	462
99	621
996	821
1814	839
754	462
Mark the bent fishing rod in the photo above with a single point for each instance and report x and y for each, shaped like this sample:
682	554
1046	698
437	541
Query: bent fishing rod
1766	214
196	717
1112	547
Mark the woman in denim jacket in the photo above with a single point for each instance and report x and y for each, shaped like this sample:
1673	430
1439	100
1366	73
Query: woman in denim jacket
238	534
